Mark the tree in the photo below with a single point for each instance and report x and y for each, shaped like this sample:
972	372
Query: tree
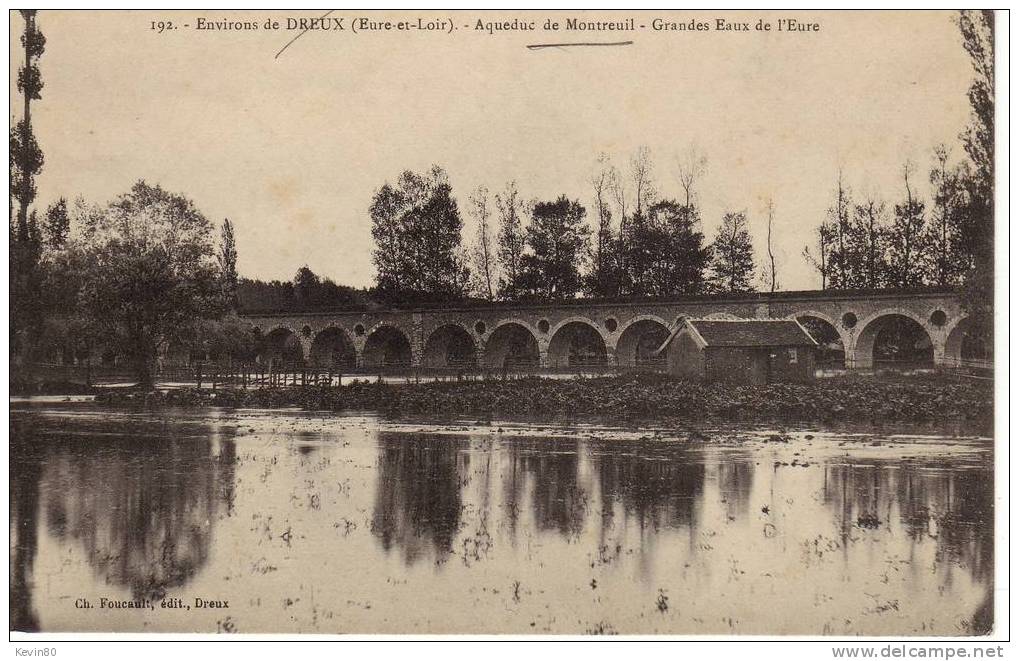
664	251
26	160
220	340
658	249
824	236
732	263
686	256
483	254
868	266
977	29
56	224
149	273
66	329
227	257
439	228
976	226
947	261
603	278
840	257
306	287
643	252
642	174
618	193
852	242
907	238
417	230
770	277
25	156
511	240
280	296
389	254
692	165
230	337
617	189
557	242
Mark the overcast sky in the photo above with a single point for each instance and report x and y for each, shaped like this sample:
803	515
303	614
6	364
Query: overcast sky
292	149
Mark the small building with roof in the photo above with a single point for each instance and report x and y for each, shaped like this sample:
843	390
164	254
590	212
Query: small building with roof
745	351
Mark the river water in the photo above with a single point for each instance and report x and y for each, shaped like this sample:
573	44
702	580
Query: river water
290	521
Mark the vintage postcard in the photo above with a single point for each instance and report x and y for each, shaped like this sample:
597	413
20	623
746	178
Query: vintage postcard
504	322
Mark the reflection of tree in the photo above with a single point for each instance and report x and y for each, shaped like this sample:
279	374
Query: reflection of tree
857	492
142	511
558	501
418	499
961	505
226	463
26	464
735	479
955	505
657	489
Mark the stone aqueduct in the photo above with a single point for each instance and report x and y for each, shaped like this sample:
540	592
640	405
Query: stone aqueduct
487	334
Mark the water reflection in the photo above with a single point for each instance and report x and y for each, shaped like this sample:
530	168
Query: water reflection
417	501
26	467
544	474
930	501
657	488
735	479
601	528
142	509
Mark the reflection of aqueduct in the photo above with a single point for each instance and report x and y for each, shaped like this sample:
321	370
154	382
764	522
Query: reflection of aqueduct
495	336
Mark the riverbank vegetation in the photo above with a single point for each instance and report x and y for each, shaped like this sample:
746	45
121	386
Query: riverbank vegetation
918	398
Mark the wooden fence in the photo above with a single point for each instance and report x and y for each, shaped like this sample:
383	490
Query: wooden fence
287	374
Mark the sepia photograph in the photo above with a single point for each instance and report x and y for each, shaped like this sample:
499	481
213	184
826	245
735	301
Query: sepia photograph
508	323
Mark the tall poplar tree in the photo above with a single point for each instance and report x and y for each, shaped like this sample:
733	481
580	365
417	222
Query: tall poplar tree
26	160
976	228
227	257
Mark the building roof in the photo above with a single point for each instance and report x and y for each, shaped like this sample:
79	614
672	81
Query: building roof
745	333
751	332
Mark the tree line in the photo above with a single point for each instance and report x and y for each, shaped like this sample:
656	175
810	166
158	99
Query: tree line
136	276
634	242
946	240
307	291
864	242
641	244
148	271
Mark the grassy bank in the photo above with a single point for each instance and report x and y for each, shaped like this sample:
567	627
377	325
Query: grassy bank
927	398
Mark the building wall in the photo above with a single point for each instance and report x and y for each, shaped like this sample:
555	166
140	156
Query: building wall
742	365
685	358
784	369
759	365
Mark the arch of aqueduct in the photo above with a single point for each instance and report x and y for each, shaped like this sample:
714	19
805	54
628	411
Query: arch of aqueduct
489	332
